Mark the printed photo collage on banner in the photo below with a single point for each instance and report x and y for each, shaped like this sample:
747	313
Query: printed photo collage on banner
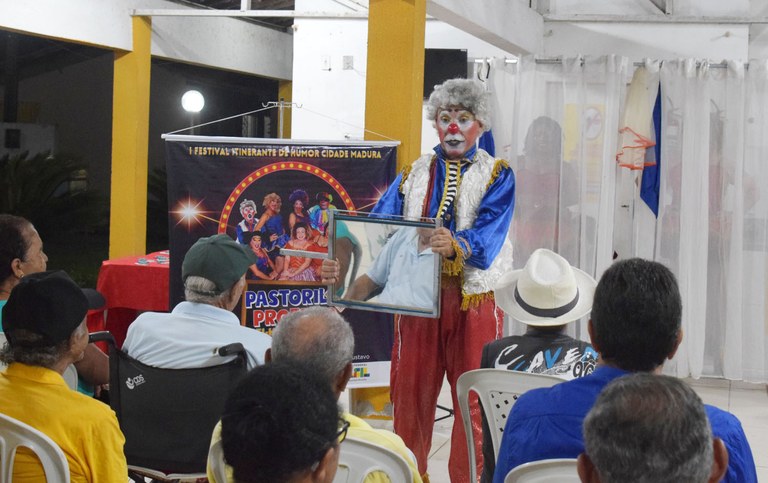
273	196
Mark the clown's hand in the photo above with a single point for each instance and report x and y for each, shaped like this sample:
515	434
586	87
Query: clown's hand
442	242
329	271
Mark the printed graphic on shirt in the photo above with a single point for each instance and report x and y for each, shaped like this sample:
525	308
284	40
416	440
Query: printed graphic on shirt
561	360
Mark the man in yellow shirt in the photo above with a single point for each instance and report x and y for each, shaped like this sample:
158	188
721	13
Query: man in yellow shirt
44	321
319	337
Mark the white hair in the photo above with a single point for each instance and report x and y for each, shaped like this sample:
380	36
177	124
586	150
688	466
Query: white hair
203	291
460	92
245	203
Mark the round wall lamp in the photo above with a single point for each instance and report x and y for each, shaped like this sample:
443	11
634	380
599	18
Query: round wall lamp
192	101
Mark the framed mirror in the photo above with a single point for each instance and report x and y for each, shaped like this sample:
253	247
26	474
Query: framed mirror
386	263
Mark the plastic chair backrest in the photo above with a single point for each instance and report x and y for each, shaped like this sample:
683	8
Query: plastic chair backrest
544	471
358	458
14	433
70	376
216	462
497	389
168	415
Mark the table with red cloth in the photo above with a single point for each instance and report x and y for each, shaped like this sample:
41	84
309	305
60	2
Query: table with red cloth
130	285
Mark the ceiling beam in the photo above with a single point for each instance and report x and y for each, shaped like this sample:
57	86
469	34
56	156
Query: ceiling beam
191	12
508	25
660	19
661	5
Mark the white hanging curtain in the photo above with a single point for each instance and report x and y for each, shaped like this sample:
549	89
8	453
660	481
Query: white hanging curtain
745	355
565	118
713	205
712	224
501	78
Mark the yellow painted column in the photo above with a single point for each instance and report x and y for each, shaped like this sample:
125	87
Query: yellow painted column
130	141
285	93
395	74
394	85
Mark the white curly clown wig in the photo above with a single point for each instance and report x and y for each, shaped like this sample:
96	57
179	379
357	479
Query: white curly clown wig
460	92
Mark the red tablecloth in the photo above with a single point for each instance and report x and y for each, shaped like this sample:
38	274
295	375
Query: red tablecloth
130	285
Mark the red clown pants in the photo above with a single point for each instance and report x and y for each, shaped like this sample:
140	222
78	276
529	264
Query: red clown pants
423	351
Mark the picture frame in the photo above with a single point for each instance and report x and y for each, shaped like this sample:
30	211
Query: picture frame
390	266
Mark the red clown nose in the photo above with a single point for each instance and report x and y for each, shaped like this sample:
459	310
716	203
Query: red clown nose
453	128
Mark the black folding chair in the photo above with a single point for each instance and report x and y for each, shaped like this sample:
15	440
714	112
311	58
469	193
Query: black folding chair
168	415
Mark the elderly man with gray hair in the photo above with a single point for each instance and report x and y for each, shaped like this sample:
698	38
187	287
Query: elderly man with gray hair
650	428
213	272
320	338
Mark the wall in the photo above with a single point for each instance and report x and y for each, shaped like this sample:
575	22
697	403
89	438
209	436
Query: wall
638	41
78	101
713	41
224	43
758	33
226	94
333	99
33	138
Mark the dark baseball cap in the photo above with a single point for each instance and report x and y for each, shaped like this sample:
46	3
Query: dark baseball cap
49	304
218	258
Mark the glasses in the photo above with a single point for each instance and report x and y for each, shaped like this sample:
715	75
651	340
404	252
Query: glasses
341	435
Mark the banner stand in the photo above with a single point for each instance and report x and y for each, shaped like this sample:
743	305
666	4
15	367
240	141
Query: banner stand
226	185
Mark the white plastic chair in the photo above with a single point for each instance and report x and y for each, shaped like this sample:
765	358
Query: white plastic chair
498	389
14	433
70	376
358	458
544	471
216	462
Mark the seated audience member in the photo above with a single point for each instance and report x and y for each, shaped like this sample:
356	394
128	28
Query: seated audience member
281	424
213	272
21	253
546	295
635	327
320	338
44	321
645	428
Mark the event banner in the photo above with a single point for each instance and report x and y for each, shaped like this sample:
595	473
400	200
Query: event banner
273	194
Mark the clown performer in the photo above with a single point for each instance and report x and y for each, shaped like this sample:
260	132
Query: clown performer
473	194
318	214
248	212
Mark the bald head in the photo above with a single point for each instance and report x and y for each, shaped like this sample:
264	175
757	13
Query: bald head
317	336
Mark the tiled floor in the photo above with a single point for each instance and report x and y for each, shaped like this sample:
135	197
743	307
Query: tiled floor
749	402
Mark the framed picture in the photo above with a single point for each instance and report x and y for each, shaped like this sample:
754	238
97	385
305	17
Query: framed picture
386	263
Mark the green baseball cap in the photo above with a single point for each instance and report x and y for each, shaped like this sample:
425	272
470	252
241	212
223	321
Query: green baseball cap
218	258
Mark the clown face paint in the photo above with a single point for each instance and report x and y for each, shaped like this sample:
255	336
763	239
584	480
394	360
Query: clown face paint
458	131
248	212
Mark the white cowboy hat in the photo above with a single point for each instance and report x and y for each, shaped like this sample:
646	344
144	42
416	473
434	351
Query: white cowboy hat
547	292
